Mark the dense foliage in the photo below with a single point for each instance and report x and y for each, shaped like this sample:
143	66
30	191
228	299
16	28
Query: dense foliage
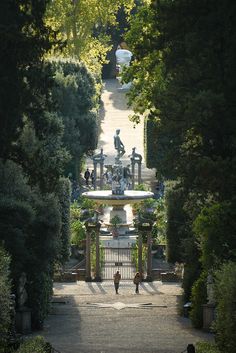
37	98
24	40
77	102
198	298
184	82
4	295
36	344
83	25
203	347
225	324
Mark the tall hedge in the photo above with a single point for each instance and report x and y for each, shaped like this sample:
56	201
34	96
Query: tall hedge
198	298
64	193
150	143
77	98
176	219
4	295
225	293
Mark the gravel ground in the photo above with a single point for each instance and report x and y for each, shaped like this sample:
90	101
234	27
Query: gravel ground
77	325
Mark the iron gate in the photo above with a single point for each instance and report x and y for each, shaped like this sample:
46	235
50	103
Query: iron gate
118	259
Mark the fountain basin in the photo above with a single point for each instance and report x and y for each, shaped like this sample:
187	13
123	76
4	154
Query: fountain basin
129	197
118	202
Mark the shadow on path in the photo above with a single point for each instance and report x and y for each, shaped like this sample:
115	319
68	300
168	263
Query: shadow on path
116	96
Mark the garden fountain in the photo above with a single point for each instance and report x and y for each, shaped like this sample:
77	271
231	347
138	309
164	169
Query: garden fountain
121	180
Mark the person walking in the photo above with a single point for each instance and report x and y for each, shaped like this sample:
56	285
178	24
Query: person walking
92	176
137	280
87	176
117	278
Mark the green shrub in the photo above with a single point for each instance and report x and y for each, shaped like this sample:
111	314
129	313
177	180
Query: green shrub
64	193
4	295
206	347
40	292
150	133
134	255
225	293
176	230
86	203
198	298
78	233
35	345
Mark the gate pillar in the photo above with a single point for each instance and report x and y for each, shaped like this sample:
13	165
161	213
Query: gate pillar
97	269
146	226
140	254
149	257
88	277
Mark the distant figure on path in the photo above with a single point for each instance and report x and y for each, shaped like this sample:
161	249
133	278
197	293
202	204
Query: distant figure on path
119	146
137	280
117	278
87	176
190	348
92	177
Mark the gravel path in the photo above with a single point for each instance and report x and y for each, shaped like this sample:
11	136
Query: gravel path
80	320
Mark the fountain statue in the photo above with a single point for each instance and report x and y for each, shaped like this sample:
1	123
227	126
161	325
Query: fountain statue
119	177
119	146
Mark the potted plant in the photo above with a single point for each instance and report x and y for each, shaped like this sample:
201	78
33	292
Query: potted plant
114	222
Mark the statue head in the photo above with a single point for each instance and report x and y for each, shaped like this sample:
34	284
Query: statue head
117	131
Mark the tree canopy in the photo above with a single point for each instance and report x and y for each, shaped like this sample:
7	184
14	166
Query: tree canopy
184	83
83	23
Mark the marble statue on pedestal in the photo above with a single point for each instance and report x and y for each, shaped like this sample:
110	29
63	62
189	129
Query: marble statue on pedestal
119	146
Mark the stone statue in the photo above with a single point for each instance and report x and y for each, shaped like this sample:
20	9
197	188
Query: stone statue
210	289
127	176
119	146
99	157
22	295
135	157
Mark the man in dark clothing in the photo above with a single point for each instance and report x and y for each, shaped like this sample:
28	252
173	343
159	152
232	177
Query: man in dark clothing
117	278
87	176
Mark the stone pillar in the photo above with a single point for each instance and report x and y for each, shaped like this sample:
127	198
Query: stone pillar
97	269
95	175
139	172
133	173
23	321
149	257
101	174
208	316
88	277
140	253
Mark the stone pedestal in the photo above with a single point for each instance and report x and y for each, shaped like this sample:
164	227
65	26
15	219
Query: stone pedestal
88	277
140	254
97	270
119	211
149	258
133	173
139	173
208	316
23	321
95	175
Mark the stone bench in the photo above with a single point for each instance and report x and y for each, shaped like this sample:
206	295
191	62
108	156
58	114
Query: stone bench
156	274
71	276
169	277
